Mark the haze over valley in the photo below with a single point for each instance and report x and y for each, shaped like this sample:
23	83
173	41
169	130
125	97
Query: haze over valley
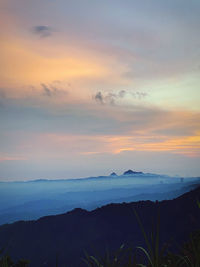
37	198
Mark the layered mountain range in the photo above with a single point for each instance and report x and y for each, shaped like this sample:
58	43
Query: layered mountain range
65	237
34	199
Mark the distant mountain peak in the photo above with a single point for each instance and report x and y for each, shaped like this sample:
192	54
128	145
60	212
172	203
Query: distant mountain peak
130	172
113	174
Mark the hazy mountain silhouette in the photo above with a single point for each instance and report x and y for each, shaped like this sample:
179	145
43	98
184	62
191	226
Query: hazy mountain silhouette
130	172
66	236
34	199
113	174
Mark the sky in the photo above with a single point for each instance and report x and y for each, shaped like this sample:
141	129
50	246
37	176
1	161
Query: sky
90	87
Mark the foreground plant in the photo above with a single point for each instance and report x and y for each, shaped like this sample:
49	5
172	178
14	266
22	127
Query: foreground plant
6	261
121	258
153	253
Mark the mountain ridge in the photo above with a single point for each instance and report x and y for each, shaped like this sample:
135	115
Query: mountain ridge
115	175
108	226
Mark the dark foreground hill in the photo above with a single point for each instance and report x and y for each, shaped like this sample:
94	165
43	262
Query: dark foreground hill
68	235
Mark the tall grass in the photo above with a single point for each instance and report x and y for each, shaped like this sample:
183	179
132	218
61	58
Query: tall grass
6	261
154	255
123	257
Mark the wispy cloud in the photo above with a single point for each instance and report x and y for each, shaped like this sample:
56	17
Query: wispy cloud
46	90
42	31
111	98
139	95
99	98
122	93
52	90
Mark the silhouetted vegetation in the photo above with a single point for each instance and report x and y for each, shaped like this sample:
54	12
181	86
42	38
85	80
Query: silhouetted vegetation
189	255
69	235
153	255
6	261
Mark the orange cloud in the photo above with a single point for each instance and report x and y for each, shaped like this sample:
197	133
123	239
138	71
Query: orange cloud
61	146
189	145
141	130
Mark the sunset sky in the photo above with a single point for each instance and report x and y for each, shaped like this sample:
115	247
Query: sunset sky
90	87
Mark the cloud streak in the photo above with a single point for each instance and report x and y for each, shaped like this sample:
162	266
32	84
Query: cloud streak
50	145
94	133
12	158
